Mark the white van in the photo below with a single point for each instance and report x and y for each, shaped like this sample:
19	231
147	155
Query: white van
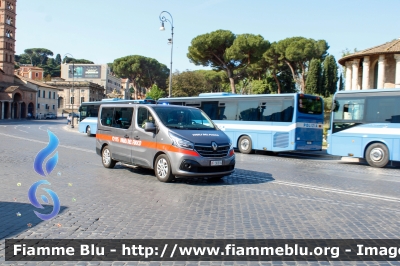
175	141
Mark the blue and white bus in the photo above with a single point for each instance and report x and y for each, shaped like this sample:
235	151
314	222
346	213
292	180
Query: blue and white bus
269	122
88	112
366	124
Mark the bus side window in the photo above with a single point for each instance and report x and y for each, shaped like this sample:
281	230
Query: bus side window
346	112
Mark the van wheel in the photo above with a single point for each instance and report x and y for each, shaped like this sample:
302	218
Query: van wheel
88	131
377	155
106	158
162	169
245	145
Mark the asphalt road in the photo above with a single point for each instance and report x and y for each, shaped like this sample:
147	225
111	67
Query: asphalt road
290	196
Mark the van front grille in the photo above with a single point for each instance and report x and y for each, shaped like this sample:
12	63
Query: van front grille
208	151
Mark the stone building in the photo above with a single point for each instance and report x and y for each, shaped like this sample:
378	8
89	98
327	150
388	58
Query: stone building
16	100
46	96
374	68
99	74
72	94
31	72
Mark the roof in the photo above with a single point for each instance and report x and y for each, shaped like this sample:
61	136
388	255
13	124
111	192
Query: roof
9	87
41	84
392	47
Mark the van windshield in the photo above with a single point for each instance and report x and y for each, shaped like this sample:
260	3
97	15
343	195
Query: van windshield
184	118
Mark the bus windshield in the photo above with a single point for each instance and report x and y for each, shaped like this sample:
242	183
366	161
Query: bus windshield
182	118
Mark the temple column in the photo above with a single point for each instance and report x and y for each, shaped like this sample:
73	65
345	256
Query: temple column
397	77
354	85
365	78
381	71
348	76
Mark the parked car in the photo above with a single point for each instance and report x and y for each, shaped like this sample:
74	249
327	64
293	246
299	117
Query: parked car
51	116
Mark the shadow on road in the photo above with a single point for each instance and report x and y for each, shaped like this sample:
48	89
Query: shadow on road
12	224
239	177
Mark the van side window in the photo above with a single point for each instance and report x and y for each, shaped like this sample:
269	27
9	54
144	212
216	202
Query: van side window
122	117
143	116
107	116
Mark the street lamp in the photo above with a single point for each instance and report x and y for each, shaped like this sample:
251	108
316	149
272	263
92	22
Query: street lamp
170	41
72	99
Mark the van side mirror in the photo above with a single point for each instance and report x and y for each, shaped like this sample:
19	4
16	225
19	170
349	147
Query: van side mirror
150	127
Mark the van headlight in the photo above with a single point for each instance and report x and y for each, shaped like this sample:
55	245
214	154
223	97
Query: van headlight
180	142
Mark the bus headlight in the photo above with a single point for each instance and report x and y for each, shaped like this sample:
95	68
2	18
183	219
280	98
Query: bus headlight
180	142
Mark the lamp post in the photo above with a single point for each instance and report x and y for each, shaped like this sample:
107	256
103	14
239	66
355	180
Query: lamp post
72	90
170	41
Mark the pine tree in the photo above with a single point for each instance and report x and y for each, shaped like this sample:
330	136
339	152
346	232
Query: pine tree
313	81
58	59
329	76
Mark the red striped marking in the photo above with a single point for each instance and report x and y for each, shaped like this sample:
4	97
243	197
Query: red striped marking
146	144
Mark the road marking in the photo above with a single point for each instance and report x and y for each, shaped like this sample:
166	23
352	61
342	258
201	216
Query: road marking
42	129
338	191
43	142
23	131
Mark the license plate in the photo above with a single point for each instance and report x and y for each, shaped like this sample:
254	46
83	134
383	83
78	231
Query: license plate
214	163
309	142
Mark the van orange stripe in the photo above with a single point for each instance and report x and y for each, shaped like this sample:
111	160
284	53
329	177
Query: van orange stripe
147	144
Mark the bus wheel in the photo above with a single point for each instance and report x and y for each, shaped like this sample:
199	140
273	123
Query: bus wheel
162	169
108	162
88	131
377	155
245	145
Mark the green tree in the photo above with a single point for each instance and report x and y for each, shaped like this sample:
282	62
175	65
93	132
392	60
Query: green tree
313	81
222	50
341	83
155	92
38	56
297	53
188	83
329	76
209	50
274	63
140	70
58	59
69	60
214	80
259	87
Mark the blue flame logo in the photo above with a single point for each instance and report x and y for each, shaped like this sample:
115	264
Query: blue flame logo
50	165
35	202
52	162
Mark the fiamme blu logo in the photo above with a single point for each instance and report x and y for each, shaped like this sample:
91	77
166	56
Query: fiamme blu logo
44	169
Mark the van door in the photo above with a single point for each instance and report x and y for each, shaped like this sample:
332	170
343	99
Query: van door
144	143
122	134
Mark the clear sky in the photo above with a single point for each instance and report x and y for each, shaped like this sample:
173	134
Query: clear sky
102	31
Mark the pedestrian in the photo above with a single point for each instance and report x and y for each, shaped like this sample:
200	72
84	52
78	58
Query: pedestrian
68	120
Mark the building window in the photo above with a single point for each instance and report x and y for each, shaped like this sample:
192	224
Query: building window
82	99
49	94
44	94
36	74
54	107
72	100
38	106
38	93
54	95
